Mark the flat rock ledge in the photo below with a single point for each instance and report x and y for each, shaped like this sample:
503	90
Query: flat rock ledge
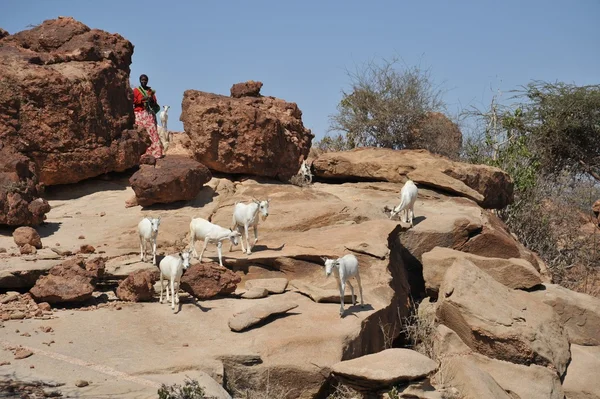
318	294
272	285
383	369
257	313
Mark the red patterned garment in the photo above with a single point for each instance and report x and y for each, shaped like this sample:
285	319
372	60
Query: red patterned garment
147	120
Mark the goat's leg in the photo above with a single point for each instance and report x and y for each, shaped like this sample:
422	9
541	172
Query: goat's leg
141	248
352	292
231	242
360	289
172	292
203	249
255	227
342	293
193	242
162	286
247	243
219	245
154	251
176	294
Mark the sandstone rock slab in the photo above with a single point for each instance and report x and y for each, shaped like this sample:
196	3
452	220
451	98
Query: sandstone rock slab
258	313
272	285
581	381
319	294
499	322
513	273
383	369
255	293
579	313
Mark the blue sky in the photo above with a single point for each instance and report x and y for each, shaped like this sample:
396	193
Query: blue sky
301	50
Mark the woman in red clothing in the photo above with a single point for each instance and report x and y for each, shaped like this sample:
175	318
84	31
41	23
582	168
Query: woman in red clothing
145	108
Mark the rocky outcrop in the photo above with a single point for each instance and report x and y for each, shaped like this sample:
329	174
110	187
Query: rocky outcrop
261	136
579	313
272	285
490	187
73	115
72	281
138	286
173	178
208	280
20	191
499	322
581	381
513	272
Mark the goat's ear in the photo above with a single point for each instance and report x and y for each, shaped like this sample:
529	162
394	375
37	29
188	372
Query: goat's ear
180	255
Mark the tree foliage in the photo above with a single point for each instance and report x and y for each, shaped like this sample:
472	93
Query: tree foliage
383	105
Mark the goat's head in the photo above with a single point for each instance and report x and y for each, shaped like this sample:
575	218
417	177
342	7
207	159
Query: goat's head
263	207
185	258
154	223
304	168
329	265
166	108
234	237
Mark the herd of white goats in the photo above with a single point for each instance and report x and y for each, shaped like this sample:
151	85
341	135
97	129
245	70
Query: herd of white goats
246	216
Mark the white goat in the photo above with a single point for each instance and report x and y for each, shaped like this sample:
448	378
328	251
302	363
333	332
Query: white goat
148	232
305	172
408	196
246	215
163	131
209	232
345	267
171	267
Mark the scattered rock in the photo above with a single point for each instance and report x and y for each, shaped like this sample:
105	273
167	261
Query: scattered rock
27	235
22	353
27	249
138	286
102	214
81	383
9	297
87	249
4	363
2	250
272	285
257	313
46	329
61	252
383	369
81	237
45	306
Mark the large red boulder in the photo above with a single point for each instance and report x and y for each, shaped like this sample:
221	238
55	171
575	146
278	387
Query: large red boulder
71	281
20	191
207	280
138	286
261	136
73	113
173	178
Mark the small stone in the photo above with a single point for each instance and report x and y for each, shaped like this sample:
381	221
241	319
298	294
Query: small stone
32	366
87	249
51	393
26	334
2	250
46	329
82	237
17	331
22	353
27	249
102	214
118	308
57	244
5	363
81	383
10	296
185	345
17	316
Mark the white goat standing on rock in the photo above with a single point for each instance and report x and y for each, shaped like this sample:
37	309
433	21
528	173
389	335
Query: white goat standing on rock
408	196
163	131
148	232
345	267
305	172
171	267
246	215
209	232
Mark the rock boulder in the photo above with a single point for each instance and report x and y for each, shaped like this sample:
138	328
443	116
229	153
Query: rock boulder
138	286
261	136
173	178
490	187
73	116
207	280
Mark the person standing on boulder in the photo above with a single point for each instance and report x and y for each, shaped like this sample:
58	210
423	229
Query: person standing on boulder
145	108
